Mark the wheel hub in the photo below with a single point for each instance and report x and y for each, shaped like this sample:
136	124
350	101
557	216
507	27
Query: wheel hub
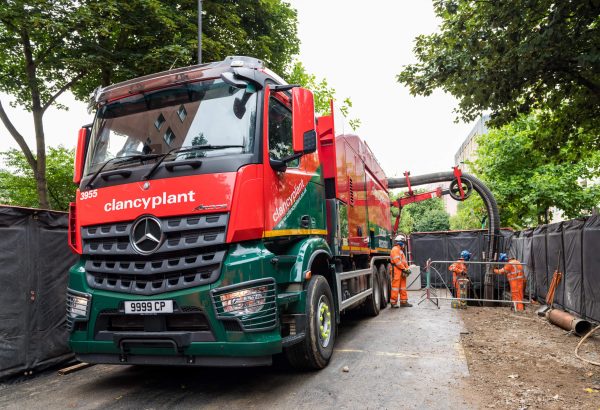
324	321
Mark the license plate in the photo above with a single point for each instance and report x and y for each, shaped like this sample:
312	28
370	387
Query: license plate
148	307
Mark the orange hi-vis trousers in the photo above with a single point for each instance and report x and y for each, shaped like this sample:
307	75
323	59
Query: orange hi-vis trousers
516	279
398	280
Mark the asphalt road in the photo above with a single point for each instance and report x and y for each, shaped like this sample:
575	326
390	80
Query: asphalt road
404	358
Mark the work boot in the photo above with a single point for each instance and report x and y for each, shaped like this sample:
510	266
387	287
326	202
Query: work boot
394	305
405	304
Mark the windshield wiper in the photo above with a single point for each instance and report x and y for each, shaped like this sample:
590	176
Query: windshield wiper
123	160
186	149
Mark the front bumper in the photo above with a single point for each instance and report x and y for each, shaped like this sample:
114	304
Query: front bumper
160	360
224	341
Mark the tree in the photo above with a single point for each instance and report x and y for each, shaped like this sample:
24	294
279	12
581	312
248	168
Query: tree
517	57
434	220
528	182
323	93
53	46
471	214
18	184
424	216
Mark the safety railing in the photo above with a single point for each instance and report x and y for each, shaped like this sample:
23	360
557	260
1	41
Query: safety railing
481	283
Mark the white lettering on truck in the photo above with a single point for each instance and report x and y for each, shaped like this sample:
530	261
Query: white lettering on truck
285	206
150	203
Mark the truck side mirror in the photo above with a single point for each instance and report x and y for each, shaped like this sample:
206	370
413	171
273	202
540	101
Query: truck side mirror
304	136
82	141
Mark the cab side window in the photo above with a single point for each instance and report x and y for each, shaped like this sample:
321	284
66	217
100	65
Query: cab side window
280	131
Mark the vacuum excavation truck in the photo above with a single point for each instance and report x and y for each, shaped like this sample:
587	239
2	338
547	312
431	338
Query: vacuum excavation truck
219	223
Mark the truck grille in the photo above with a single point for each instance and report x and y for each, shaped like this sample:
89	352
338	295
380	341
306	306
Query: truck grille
190	255
116	321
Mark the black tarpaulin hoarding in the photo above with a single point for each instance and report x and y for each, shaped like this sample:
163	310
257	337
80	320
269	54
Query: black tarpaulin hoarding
572	247
538	249
446	246
526	257
428	245
591	267
34	261
555	259
573	273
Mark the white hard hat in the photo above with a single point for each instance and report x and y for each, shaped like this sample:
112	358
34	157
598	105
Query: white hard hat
400	238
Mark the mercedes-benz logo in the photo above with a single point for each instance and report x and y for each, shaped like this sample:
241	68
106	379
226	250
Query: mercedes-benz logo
146	235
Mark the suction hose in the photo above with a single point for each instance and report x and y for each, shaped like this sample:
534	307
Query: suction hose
488	200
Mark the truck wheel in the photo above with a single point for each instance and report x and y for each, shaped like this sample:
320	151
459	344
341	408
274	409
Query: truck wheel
385	293
371	306
316	349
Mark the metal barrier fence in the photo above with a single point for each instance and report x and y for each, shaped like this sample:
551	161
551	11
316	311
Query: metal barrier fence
487	289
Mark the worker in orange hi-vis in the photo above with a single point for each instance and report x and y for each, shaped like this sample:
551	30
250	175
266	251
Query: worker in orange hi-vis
400	272
459	271
516	279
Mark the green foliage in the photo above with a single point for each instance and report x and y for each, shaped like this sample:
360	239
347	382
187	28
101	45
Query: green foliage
528	180
471	214
424	216
128	39
323	93
51	46
81	45
18	185
517	57
434	220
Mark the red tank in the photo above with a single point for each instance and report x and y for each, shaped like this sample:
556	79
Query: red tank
358	205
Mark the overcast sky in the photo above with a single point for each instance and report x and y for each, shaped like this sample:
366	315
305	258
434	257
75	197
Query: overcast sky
359	47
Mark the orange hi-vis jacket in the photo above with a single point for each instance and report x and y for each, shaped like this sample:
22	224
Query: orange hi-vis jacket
398	259
512	272
459	270
399	264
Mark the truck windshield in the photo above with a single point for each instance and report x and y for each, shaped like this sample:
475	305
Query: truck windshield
208	113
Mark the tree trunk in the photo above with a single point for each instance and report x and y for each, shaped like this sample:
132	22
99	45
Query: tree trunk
40	175
38	112
106	77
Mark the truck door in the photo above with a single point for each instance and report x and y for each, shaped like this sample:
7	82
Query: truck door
294	198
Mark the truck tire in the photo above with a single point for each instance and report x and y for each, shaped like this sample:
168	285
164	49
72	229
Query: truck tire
385	291
372	303
316	349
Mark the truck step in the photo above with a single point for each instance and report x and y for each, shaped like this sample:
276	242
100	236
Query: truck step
287	298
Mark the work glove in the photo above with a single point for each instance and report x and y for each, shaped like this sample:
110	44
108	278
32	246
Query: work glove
406	272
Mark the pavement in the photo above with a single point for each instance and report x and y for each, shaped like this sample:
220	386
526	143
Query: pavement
408	358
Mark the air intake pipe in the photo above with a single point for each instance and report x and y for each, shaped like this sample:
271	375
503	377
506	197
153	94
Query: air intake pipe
490	204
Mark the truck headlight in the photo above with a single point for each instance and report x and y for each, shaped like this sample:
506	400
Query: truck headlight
244	301
252	304
78	307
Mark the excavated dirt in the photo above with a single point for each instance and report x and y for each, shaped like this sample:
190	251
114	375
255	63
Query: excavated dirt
520	361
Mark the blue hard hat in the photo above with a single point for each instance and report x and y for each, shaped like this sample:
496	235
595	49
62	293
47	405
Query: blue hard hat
466	255
503	257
